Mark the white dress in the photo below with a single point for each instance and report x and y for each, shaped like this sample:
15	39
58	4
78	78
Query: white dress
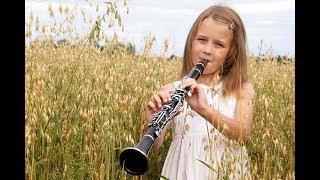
195	139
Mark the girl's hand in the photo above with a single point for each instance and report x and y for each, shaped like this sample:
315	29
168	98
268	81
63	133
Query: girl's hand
197	101
158	99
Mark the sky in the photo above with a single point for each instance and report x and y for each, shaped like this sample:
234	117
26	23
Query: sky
270	24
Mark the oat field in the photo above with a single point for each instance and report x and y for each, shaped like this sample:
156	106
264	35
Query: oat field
84	106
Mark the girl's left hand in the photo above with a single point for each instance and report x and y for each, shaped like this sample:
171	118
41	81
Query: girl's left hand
198	100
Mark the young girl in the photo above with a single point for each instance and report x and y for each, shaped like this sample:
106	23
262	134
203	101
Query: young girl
216	119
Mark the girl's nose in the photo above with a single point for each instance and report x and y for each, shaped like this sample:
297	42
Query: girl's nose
207	49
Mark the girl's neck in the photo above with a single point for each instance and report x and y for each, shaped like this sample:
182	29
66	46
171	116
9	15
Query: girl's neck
209	80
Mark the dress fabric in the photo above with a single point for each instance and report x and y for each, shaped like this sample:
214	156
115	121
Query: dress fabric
195	139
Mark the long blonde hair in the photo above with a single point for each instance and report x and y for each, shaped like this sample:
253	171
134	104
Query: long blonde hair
234	70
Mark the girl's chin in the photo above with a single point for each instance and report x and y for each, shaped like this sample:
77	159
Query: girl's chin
209	70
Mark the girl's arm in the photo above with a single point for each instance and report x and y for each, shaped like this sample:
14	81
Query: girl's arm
240	127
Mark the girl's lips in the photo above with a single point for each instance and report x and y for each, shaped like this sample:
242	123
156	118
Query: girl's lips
206	59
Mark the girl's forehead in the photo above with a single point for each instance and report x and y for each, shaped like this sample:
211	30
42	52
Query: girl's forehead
215	29
209	22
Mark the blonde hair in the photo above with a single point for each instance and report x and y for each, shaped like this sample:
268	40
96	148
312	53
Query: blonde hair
234	70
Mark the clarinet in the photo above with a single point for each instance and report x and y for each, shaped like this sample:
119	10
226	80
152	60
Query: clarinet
134	160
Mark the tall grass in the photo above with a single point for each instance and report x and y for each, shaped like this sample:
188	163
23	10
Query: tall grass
81	112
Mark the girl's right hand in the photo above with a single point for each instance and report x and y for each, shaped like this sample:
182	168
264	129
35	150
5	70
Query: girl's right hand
157	100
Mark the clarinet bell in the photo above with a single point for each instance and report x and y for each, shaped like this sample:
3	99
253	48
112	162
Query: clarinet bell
134	161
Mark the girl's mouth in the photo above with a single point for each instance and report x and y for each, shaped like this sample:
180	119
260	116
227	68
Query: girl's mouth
206	59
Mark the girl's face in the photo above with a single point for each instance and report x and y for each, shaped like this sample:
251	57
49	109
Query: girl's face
212	42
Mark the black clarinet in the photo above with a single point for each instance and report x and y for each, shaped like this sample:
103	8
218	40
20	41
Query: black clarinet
134	160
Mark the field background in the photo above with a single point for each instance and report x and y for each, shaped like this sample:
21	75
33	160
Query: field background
84	105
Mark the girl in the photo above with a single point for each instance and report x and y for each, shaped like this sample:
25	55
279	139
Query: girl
216	119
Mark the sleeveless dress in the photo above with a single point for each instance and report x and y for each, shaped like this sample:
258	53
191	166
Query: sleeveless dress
194	140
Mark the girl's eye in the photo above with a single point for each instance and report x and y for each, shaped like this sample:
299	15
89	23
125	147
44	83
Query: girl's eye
218	44
201	40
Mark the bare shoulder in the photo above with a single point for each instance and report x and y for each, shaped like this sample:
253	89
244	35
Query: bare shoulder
247	90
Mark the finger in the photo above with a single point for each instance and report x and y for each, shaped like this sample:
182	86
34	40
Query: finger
192	88
187	79
168	96
184	81
163	96
199	89
157	99
187	83
151	105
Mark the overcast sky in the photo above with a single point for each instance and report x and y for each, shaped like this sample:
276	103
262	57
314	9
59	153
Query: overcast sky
270	20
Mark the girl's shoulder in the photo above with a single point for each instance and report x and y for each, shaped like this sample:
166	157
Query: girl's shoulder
247	90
